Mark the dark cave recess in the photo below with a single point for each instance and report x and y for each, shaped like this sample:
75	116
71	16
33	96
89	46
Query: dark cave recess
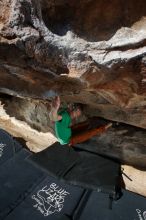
89	19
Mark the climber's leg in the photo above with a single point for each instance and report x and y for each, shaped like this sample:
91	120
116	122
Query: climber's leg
84	136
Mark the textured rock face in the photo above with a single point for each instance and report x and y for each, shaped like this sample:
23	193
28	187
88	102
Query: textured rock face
89	52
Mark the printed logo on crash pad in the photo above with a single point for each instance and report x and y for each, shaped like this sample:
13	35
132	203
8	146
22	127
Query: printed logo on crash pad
50	199
141	215
2	148
144	215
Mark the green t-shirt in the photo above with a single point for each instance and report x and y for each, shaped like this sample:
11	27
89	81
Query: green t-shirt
62	128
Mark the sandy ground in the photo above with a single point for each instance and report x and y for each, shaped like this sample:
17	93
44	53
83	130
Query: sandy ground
35	141
136	181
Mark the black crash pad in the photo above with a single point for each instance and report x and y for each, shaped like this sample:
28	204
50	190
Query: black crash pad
80	168
27	192
129	207
51	199
8	146
17	178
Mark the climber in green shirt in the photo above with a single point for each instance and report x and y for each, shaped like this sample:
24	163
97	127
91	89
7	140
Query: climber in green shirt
62	128
67	133
63	120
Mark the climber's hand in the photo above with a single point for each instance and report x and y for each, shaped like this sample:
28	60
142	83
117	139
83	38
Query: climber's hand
56	102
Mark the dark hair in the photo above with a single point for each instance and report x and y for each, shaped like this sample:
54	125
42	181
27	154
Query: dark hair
78	106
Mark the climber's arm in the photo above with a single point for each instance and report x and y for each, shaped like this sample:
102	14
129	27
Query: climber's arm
54	116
